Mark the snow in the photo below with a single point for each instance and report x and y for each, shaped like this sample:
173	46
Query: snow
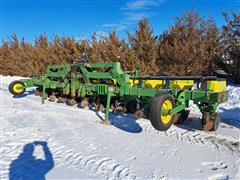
82	148
230	110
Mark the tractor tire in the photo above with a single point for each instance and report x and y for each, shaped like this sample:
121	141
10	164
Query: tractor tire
181	116
158	120
13	88
210	122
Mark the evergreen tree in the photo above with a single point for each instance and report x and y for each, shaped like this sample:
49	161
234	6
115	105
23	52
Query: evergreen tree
230	61
130	59
112	47
144	46
85	47
189	47
5	61
95	54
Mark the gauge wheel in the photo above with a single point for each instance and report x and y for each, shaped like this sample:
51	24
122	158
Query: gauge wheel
16	88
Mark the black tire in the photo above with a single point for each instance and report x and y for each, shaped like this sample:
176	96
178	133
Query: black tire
210	122
12	89
147	111
216	122
156	116
205	116
181	116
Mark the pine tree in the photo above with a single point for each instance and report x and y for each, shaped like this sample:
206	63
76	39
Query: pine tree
69	49
95	53
189	47
56	50
112	47
5	62
230	61
85	47
16	56
26	55
130	59
144	46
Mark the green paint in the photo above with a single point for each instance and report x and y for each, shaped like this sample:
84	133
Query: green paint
90	79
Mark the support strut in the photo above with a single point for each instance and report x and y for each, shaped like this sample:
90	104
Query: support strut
107	121
43	94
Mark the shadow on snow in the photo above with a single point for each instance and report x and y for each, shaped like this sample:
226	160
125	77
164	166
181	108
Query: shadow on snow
191	124
230	116
26	93
27	167
125	122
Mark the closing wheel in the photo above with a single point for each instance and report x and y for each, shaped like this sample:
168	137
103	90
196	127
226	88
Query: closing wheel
216	122
16	87
210	122
159	117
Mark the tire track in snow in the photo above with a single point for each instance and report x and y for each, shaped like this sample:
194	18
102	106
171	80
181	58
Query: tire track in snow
63	156
92	163
196	137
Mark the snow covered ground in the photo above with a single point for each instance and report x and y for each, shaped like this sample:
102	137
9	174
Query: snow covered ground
81	148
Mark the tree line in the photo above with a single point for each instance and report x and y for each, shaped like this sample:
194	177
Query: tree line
193	45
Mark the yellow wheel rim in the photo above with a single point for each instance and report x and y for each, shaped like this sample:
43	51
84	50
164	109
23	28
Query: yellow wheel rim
17	88
166	106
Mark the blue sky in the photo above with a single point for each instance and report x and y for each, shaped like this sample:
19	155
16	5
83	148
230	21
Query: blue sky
80	18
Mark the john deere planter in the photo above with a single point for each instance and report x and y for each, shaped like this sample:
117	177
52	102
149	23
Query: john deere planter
165	99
